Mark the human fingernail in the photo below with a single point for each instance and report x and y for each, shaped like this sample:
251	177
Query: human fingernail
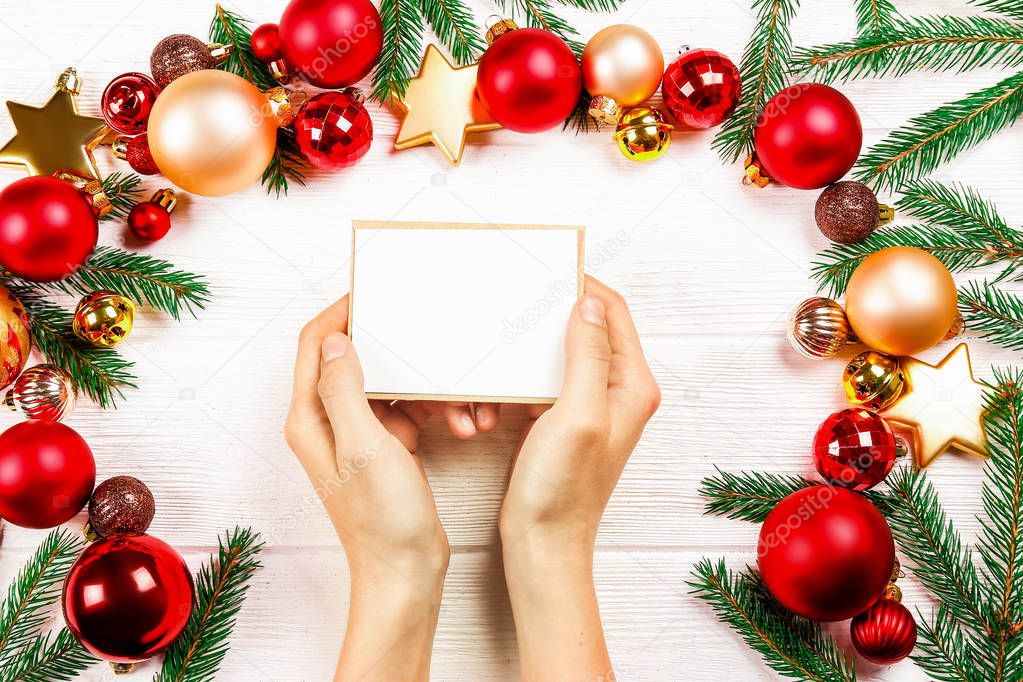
592	310
468	423
334	346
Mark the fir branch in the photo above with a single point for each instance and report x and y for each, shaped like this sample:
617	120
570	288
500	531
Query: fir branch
50	659
286	166
122	190
960	208
453	23
799	651
100	373
403	38
36	587
594	5
942	649
1010	8
934	43
934	138
221	586
538	14
997	315
874	17
762	73
229	28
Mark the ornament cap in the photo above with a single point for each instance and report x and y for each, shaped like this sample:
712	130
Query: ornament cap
498	27
957	328
220	52
69	81
9	400
89	532
285	105
887	214
755	173
166	199
605	109
279	71
120	147
91	189
121	668
892	592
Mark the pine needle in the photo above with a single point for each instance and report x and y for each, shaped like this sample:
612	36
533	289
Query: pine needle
50	659
403	38
960	208
123	191
943	649
595	5
1010	8
454	24
995	314
286	166
874	17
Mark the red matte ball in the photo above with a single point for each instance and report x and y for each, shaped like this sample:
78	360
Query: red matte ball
854	448
885	633
826	553
331	43
47	228
47	472
701	88
149	221
529	80
128	597
334	130
808	136
139	157
266	43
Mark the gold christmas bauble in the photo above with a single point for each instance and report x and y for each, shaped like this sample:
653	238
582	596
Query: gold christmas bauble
43	392
212	132
15	341
901	301
104	318
643	134
622	68
818	328
873	380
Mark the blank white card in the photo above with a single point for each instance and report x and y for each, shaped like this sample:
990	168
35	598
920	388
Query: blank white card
463	312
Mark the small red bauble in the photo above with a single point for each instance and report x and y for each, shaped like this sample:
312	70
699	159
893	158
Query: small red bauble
331	43
128	597
266	43
529	80
334	130
127	102
47	228
854	448
149	222
139	157
885	633
46	474
808	136
826	553
701	88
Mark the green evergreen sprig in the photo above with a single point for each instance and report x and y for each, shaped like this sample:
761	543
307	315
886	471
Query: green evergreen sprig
995	315
50	658
1010	8
403	26
874	17
123	190
452	21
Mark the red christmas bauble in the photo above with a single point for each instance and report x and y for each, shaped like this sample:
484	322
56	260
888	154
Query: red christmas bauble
808	136
826	553
46	474
331	43
529	80
885	633
47	228
266	43
701	88
127	102
128	597
854	448
334	130
139	157
149	221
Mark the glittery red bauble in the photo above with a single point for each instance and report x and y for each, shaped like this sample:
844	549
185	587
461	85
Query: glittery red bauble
128	597
826	553
334	130
127	102
854	448
808	136
529	80
139	157
701	88
885	633
266	43
46	474
149	221
47	228
331	43
122	504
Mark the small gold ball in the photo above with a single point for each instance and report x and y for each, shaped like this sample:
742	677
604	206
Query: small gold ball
643	134
818	328
104	319
873	380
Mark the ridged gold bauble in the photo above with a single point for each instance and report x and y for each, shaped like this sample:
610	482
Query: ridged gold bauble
818	328
104	318
643	134
15	341
43	392
873	380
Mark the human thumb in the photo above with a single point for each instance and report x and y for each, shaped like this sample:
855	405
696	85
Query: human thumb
587	355
341	387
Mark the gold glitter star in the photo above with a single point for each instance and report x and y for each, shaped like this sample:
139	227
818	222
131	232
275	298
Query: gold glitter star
943	405
441	107
54	137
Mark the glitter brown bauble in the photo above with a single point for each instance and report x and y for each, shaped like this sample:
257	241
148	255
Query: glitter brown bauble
176	55
847	212
121	504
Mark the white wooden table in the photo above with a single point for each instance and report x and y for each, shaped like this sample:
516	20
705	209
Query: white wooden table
711	269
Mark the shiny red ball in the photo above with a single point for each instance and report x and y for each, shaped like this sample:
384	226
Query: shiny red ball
808	136
266	43
334	130
128	101
701	88
331	43
854	448
139	157
46	474
826	553
47	228
529	80
885	633
149	221
128	597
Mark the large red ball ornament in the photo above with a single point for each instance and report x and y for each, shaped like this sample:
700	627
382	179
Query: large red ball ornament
529	80
128	597
854	448
46	474
885	633
47	228
808	136
826	553
331	43
334	130
701	88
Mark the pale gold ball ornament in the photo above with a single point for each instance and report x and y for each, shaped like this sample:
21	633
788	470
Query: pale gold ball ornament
104	319
622	68
818	328
643	134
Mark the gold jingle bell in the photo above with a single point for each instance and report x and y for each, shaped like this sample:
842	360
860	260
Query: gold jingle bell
873	380
643	134
104	318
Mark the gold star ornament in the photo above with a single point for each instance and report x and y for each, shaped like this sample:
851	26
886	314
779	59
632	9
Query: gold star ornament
943	406
441	107
54	137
